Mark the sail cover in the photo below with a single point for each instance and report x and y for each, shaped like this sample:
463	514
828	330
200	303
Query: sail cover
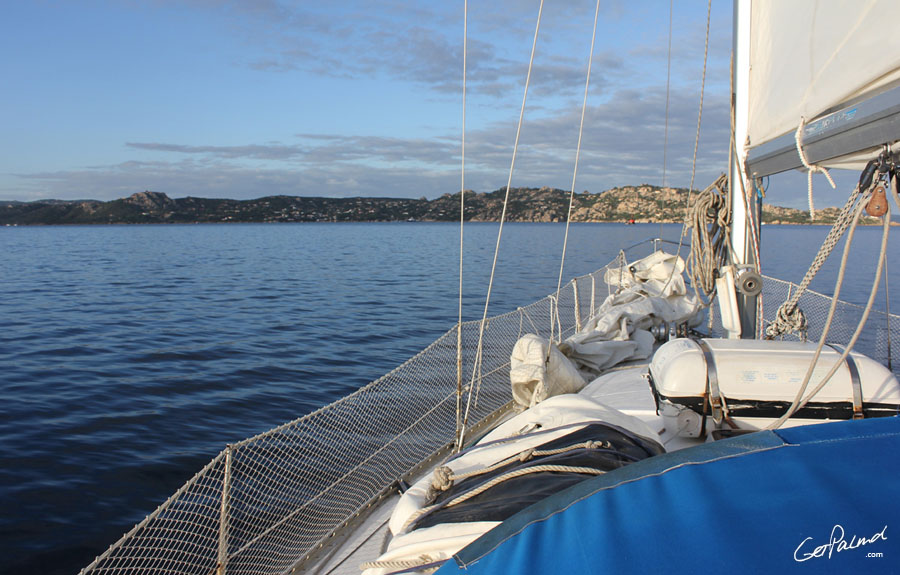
808	57
812	499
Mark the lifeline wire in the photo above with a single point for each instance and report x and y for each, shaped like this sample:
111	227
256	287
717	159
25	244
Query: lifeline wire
478	353
562	262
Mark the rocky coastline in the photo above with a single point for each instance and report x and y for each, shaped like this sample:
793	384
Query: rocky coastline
630	204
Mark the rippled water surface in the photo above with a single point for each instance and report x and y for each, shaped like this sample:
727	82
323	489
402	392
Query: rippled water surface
130	355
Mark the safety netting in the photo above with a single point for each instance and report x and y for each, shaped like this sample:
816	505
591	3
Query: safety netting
880	333
272	503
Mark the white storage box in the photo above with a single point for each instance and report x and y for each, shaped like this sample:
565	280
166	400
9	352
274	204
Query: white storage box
756	378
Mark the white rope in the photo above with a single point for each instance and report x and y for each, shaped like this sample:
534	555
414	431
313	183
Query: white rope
622	262
754	227
480	349
562	262
444	478
799	400
789	318
496	481
887	293
519	473
668	80
462	217
556	318
420	561
577	306
524	312
811	168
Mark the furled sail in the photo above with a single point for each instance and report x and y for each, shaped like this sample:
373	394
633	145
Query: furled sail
813	57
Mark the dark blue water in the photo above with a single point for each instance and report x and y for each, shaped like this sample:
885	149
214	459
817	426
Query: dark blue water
130	355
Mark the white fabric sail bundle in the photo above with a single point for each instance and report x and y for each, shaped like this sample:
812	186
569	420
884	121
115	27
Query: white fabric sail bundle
650	292
536	373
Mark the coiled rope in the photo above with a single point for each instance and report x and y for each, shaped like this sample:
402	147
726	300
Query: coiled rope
710	223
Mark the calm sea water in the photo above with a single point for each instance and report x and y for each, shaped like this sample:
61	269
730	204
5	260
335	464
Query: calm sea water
130	355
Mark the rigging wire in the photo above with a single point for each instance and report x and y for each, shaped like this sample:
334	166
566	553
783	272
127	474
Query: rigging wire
476	369
562	263
687	204
702	91
666	132
462	214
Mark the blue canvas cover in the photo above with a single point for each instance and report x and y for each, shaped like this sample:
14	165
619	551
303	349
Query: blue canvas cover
815	499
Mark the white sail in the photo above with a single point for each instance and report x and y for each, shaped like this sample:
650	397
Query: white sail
808	57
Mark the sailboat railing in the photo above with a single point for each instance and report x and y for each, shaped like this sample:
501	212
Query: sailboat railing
275	501
880	333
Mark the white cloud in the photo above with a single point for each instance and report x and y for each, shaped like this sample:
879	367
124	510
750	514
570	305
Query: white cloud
419	46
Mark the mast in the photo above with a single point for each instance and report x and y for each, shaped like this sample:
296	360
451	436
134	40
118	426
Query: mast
742	224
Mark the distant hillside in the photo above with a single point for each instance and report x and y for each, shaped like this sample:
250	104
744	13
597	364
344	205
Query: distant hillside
643	203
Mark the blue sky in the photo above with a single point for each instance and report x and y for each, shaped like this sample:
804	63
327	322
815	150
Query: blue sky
242	99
